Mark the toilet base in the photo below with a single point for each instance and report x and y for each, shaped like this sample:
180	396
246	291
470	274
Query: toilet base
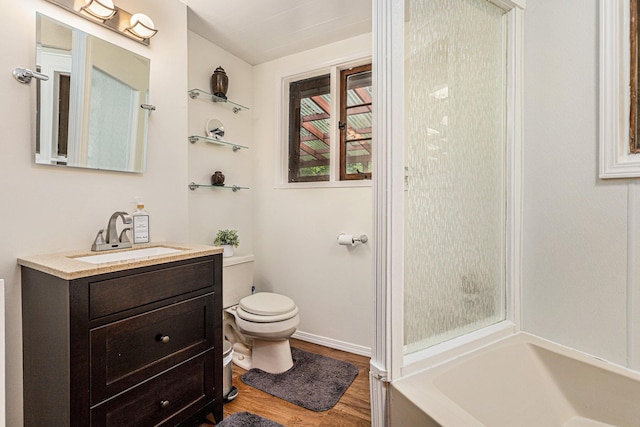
241	356
252	350
271	356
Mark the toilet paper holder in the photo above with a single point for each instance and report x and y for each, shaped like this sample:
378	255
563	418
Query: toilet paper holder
348	239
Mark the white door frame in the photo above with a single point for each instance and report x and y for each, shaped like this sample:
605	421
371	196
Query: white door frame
388	198
388	190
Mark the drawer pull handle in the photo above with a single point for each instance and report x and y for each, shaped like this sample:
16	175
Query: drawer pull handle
164	404
164	339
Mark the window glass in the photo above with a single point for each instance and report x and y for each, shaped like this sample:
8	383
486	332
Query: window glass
309	129
355	123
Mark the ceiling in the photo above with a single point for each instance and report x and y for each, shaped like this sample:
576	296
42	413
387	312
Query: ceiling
260	31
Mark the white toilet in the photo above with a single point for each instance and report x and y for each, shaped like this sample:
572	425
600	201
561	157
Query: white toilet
258	326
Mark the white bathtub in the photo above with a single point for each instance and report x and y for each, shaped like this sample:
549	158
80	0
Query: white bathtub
520	381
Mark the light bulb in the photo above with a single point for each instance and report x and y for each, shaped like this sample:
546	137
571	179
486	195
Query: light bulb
142	26
101	9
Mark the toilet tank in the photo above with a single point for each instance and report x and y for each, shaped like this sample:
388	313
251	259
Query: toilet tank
237	279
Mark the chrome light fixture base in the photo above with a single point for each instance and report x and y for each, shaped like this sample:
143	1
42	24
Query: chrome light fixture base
119	21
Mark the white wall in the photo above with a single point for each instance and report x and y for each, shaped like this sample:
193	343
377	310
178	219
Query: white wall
46	209
296	229
214	209
578	274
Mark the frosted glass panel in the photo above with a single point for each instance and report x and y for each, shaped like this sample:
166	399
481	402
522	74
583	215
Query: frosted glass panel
455	169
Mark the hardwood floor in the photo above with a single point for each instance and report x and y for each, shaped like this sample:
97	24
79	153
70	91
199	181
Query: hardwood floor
353	409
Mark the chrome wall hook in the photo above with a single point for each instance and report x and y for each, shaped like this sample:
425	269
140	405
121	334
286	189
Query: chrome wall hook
24	75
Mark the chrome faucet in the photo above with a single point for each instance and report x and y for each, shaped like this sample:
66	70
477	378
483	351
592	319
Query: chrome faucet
112	240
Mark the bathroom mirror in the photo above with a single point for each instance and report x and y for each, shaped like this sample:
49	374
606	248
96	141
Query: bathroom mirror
89	111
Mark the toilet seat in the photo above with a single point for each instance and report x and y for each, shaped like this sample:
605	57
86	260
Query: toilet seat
265	307
267	304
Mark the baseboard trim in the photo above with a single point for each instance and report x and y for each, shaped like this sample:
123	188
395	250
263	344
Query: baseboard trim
331	343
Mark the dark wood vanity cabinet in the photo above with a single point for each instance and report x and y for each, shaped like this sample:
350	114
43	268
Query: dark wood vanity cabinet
140	347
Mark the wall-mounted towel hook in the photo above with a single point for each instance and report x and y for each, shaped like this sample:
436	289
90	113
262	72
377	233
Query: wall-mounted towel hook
24	75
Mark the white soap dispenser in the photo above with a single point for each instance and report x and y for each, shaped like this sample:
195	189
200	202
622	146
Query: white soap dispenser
140	222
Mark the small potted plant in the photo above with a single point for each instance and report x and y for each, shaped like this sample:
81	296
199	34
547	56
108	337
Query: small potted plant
228	239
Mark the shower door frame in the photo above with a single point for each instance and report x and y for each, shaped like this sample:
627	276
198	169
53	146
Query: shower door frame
388	361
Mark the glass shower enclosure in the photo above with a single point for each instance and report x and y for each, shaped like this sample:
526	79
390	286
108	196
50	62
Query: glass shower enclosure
448	161
455	169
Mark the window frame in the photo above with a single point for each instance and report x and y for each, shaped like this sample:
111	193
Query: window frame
332	67
344	75
293	117
616	157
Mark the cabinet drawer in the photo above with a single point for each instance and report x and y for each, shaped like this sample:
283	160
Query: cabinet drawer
123	293
164	400
126	352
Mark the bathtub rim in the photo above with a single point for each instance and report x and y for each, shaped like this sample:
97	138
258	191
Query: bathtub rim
444	352
419	388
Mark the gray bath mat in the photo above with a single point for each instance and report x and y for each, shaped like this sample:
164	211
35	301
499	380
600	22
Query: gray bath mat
247	419
314	382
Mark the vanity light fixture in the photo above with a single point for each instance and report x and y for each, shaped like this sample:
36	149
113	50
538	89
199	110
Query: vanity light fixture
100	9
137	26
142	26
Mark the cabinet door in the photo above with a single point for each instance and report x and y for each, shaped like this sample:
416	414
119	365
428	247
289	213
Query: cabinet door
165	400
128	351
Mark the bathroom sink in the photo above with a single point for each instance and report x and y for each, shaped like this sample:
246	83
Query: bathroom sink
130	255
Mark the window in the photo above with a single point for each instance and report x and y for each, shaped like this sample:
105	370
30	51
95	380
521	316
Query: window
318	148
309	125
355	123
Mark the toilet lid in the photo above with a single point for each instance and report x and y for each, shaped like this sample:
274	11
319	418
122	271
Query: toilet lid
267	304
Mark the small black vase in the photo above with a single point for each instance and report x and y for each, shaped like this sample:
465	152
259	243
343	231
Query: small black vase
219	83
217	178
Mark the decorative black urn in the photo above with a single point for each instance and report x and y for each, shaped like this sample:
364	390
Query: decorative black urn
219	83
217	178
